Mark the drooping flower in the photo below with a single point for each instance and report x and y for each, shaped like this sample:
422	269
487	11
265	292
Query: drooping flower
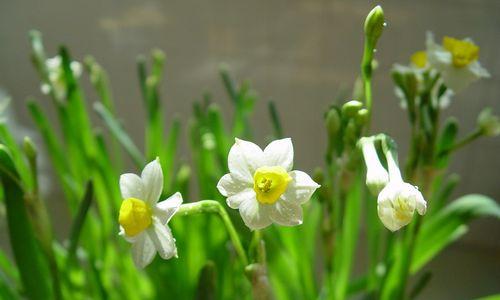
377	176
262	185
143	220
56	76
398	200
456	60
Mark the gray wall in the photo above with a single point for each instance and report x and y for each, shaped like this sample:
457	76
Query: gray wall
299	53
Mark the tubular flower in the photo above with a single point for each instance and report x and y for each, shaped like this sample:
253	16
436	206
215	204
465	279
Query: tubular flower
398	200
262	185
143	220
377	176
456	60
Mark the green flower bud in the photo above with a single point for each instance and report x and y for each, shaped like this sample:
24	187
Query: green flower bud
374	24
351	108
361	117
488	123
332	122
29	148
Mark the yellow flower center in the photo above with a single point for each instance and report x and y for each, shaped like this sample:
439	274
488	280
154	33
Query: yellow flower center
464	52
419	59
135	216
269	183
402	211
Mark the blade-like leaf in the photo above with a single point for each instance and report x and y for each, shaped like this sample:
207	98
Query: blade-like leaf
449	224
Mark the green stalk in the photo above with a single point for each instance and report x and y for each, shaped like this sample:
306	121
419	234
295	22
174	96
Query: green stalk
211	206
465	141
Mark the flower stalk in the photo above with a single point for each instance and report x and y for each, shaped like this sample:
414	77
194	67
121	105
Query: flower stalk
214	207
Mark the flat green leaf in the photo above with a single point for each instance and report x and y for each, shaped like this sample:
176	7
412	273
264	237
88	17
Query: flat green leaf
119	133
27	253
450	224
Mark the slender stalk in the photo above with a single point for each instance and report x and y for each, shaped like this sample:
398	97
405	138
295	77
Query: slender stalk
465	141
212	206
366	75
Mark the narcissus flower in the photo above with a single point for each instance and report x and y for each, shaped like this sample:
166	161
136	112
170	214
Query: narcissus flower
456	60
262	185
56	76
143	220
398	200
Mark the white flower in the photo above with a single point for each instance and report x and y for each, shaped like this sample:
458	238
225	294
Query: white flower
262	185
456	60
398	200
377	176
56	76
143	221
397	203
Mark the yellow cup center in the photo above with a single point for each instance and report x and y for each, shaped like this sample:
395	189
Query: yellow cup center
135	216
402	211
270	183
419	59
463	52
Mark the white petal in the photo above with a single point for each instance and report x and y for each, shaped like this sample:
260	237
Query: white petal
162	239
421	205
255	215
286	214
131	186
386	215
235	200
458	79
143	250
279	153
228	185
130	239
152	178
300	189
244	158
166	209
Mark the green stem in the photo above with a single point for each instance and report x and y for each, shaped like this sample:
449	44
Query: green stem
465	141
366	74
211	206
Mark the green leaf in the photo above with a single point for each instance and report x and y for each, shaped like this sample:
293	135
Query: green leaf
273	112
450	224
120	134
77	225
446	141
348	238
27	253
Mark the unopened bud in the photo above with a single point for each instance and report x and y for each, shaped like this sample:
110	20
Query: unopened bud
374	24
351	108
488	123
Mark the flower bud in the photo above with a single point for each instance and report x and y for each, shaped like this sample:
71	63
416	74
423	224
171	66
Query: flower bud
332	122
361	117
488	123
351	108
29	148
374	24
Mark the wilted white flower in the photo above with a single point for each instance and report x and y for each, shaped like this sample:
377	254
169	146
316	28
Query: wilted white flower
456	60
398	200
56	76
377	176
397	203
262	185
143	221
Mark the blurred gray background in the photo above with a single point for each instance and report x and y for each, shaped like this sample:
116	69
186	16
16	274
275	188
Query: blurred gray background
300	54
